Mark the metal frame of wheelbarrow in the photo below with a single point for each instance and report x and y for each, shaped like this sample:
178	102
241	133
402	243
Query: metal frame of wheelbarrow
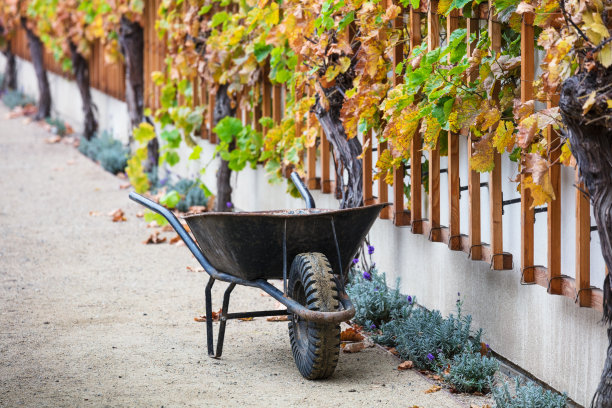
292	306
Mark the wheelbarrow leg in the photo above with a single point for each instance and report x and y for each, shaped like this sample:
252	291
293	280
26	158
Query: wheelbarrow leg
209	319
223	319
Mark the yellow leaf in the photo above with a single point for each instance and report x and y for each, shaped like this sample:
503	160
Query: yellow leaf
605	55
527	130
503	139
483	158
345	64
366	147
541	193
566	153
589	103
609	103
332	72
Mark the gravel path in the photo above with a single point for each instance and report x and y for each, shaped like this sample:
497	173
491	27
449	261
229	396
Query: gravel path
89	316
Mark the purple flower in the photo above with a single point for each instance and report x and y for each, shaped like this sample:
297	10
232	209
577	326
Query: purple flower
409	299
430	357
229	204
367	276
370	249
375	289
458	293
372	326
487	346
356	261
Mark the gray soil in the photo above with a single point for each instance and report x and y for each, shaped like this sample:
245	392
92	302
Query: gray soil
90	316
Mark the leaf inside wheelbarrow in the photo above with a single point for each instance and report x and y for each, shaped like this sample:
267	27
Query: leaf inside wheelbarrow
249	245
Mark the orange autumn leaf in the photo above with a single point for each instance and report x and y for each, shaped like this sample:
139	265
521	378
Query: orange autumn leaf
215	317
353	347
434	388
406	365
351	334
278	318
117	215
154	239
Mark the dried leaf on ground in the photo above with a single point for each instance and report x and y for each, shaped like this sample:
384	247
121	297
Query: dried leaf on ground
196	209
117	215
353	347
154	239
94	213
393	351
406	365
124	186
153	224
70	162
278	318
167	228
175	239
246	319
53	139
215	317
192	269
434	388
351	334
139	214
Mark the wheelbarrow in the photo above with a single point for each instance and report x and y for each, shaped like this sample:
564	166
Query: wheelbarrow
251	248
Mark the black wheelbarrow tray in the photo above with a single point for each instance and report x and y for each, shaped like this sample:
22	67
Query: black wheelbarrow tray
250	248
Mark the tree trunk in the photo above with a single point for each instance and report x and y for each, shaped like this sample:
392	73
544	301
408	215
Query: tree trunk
80	67
590	136
131	40
10	73
346	152
223	108
36	54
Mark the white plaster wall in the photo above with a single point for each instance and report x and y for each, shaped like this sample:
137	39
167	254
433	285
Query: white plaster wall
66	103
549	336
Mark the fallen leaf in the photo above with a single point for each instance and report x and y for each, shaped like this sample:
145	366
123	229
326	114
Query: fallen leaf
246	319
153	224
94	213
53	139
154	239
175	239
117	215
436	377
434	388
215	317
353	347
351	334
393	351
406	365
167	228
125	186
278	318
139	214
197	209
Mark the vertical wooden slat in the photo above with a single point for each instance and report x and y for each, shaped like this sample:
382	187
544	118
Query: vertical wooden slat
416	216
554	207
326	182
400	215
495	177
433	42
475	251
212	137
266	103
257	107
583	244
368	197
277	100
527	214
454	224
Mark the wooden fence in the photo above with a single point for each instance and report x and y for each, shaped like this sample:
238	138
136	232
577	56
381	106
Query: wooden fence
108	78
414	21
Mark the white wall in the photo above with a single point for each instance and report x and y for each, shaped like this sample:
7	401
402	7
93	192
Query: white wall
549	336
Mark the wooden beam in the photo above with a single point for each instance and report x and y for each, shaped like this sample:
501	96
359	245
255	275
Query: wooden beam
583	244
527	214
368	197
416	213
326	182
433	42
554	207
454	217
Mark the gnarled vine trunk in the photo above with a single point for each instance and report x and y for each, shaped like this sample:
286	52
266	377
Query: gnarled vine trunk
9	82
37	51
131	41
80	67
223	108
590	136
346	152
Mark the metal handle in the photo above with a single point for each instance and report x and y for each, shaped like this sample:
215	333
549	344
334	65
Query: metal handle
302	189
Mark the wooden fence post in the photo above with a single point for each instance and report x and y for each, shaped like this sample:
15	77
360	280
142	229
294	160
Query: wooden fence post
433	42
454	217
416	215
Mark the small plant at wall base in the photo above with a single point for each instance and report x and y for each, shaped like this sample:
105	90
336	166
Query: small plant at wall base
527	396
470	371
106	150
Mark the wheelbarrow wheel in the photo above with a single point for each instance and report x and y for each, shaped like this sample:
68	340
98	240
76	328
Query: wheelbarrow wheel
315	346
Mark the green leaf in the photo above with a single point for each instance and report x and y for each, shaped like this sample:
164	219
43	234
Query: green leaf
346	20
144	132
266	122
171	199
150	216
195	153
282	76
172	137
219	18
228	128
172	158
261	51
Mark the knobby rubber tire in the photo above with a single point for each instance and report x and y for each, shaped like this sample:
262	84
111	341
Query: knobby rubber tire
315	346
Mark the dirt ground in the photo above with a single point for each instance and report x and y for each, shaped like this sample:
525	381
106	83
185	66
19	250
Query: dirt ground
89	316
